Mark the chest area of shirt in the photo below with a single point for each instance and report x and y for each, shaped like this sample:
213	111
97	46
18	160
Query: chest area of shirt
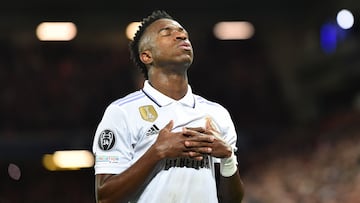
154	118
181	115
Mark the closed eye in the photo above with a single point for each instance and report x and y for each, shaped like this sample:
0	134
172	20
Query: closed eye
167	31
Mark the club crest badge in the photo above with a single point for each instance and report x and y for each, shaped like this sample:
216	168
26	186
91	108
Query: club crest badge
106	140
148	113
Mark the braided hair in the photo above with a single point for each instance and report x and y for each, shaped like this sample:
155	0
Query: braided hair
134	44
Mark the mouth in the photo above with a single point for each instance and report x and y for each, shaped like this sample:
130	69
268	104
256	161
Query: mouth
185	46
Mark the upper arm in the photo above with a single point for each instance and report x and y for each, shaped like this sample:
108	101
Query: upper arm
111	143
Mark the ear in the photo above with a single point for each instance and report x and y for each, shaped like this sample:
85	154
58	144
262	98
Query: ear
146	57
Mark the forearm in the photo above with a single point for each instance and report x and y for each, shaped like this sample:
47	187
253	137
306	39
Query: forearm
230	185
231	189
121	187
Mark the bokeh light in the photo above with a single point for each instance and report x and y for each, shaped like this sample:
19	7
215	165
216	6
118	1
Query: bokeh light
237	30
131	29
56	31
345	19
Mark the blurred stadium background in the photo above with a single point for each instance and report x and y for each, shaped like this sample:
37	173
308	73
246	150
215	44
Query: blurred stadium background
293	89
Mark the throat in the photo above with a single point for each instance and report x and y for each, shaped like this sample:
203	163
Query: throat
175	89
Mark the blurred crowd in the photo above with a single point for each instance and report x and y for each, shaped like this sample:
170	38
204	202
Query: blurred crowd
324	169
57	86
36	185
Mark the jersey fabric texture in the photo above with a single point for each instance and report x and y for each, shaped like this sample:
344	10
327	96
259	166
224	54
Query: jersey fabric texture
131	125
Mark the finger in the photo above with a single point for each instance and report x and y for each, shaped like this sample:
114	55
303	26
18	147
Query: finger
198	158
212	128
170	125
210	125
195	155
197	129
198	151
199	140
189	132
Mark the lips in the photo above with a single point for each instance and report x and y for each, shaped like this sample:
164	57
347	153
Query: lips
185	46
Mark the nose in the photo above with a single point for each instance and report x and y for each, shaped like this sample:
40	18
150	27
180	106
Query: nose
180	34
181	37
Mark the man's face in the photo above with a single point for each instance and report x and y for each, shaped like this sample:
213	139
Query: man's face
169	43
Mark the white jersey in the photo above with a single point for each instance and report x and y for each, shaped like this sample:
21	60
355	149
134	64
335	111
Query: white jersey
130	126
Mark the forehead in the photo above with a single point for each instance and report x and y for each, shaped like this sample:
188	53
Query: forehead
161	23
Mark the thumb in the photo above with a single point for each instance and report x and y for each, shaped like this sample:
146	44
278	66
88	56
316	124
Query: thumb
210	125
169	126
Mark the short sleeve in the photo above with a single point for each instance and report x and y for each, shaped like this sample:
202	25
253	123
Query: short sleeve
112	142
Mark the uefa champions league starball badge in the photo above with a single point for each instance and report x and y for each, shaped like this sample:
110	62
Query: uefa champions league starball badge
106	140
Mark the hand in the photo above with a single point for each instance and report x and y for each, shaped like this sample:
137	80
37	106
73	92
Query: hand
221	148
198	143
171	145
217	146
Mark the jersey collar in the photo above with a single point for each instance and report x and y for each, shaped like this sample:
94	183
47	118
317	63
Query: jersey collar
162	100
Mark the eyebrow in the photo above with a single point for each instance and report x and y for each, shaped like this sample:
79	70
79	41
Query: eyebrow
171	27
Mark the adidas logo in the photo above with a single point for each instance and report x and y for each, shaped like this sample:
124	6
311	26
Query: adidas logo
152	130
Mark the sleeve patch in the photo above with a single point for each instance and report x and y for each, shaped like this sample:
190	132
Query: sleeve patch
106	139
107	159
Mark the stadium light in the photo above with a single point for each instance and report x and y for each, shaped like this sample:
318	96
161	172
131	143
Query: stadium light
68	160
131	29
345	19
235	30
56	31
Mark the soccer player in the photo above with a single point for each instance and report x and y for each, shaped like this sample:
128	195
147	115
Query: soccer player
163	143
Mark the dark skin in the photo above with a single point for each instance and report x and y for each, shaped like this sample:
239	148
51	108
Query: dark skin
168	54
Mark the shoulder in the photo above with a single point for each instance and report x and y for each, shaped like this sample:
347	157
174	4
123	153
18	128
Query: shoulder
121	108
125	104
129	99
212	107
208	103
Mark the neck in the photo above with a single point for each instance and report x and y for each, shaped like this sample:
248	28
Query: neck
172	85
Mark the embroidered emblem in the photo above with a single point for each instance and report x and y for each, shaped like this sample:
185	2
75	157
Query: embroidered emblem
148	113
106	140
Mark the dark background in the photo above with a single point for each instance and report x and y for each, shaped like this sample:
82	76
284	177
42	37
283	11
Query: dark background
287	96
